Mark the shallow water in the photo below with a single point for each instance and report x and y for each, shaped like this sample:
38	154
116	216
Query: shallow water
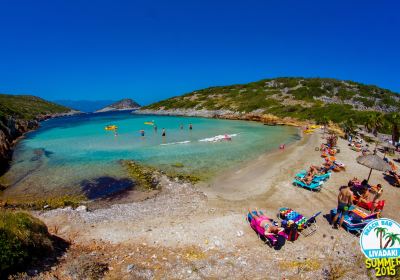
67	153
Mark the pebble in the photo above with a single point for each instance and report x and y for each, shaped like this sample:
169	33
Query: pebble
81	208
130	267
239	233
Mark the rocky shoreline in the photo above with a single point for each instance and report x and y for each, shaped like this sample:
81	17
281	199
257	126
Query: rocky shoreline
11	129
257	115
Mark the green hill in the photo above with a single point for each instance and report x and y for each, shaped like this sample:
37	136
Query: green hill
300	98
27	107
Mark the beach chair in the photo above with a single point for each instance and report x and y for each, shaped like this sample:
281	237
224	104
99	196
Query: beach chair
271	240
316	178
305	226
314	186
355	219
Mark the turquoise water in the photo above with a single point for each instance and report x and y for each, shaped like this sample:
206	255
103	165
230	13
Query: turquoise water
66	153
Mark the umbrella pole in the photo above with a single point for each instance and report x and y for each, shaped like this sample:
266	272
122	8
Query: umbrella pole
369	175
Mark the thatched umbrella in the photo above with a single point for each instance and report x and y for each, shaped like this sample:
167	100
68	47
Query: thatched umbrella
373	162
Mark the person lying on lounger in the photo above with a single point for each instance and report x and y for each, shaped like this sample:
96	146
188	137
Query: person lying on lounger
371	195
307	179
265	223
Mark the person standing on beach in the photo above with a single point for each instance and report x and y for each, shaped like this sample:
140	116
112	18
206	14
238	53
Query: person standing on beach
163	132
345	200
190	126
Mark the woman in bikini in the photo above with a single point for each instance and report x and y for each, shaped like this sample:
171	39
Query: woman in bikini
265	224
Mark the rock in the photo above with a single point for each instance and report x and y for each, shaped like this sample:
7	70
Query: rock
81	208
46	206
239	233
129	267
217	243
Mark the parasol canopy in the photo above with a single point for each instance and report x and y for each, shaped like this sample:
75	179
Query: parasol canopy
373	162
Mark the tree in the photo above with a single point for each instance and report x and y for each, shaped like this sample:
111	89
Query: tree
394	120
324	121
349	126
381	232
374	123
391	238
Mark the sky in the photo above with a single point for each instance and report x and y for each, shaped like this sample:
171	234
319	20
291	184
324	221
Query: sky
150	50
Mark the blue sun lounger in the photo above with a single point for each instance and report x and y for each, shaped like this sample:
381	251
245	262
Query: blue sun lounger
317	178
314	186
355	219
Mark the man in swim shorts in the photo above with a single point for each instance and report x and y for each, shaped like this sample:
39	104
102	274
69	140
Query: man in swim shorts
345	200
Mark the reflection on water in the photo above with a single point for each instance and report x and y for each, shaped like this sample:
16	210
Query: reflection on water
67	155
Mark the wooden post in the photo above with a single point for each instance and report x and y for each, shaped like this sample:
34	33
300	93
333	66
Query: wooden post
369	175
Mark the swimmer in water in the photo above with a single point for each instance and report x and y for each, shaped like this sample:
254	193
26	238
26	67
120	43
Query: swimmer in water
190	126
181	126
155	128
163	132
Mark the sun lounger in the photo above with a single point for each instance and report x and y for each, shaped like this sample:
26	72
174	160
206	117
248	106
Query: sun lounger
304	225
355	220
316	178
314	186
271	240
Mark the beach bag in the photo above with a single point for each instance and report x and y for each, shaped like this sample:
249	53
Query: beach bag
292	233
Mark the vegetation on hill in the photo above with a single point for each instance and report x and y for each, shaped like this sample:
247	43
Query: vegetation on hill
27	107
23	238
300	98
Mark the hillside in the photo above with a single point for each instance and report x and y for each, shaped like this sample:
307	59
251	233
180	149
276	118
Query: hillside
300	98
19	114
124	104
28	107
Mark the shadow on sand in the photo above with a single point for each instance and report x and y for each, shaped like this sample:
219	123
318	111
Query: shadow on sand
103	187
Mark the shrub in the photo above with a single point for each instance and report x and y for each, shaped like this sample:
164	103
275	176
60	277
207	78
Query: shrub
23	238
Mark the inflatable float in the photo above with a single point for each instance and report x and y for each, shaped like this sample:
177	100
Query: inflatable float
111	127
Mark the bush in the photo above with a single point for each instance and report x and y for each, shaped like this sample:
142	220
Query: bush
23	239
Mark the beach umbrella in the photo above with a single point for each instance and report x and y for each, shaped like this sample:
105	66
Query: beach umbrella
373	162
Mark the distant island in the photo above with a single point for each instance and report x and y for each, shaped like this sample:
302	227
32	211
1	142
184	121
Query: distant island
122	105
87	106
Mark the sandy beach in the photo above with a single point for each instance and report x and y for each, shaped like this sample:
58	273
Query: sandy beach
200	232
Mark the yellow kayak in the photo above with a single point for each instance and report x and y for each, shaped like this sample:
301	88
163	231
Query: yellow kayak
308	131
149	123
111	127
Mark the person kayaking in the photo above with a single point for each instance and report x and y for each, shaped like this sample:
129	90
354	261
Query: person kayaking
163	132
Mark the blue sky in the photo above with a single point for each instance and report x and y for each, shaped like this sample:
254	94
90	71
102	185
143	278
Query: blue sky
151	50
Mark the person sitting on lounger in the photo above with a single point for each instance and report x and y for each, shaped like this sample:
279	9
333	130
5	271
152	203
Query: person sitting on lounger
371	196
265	223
